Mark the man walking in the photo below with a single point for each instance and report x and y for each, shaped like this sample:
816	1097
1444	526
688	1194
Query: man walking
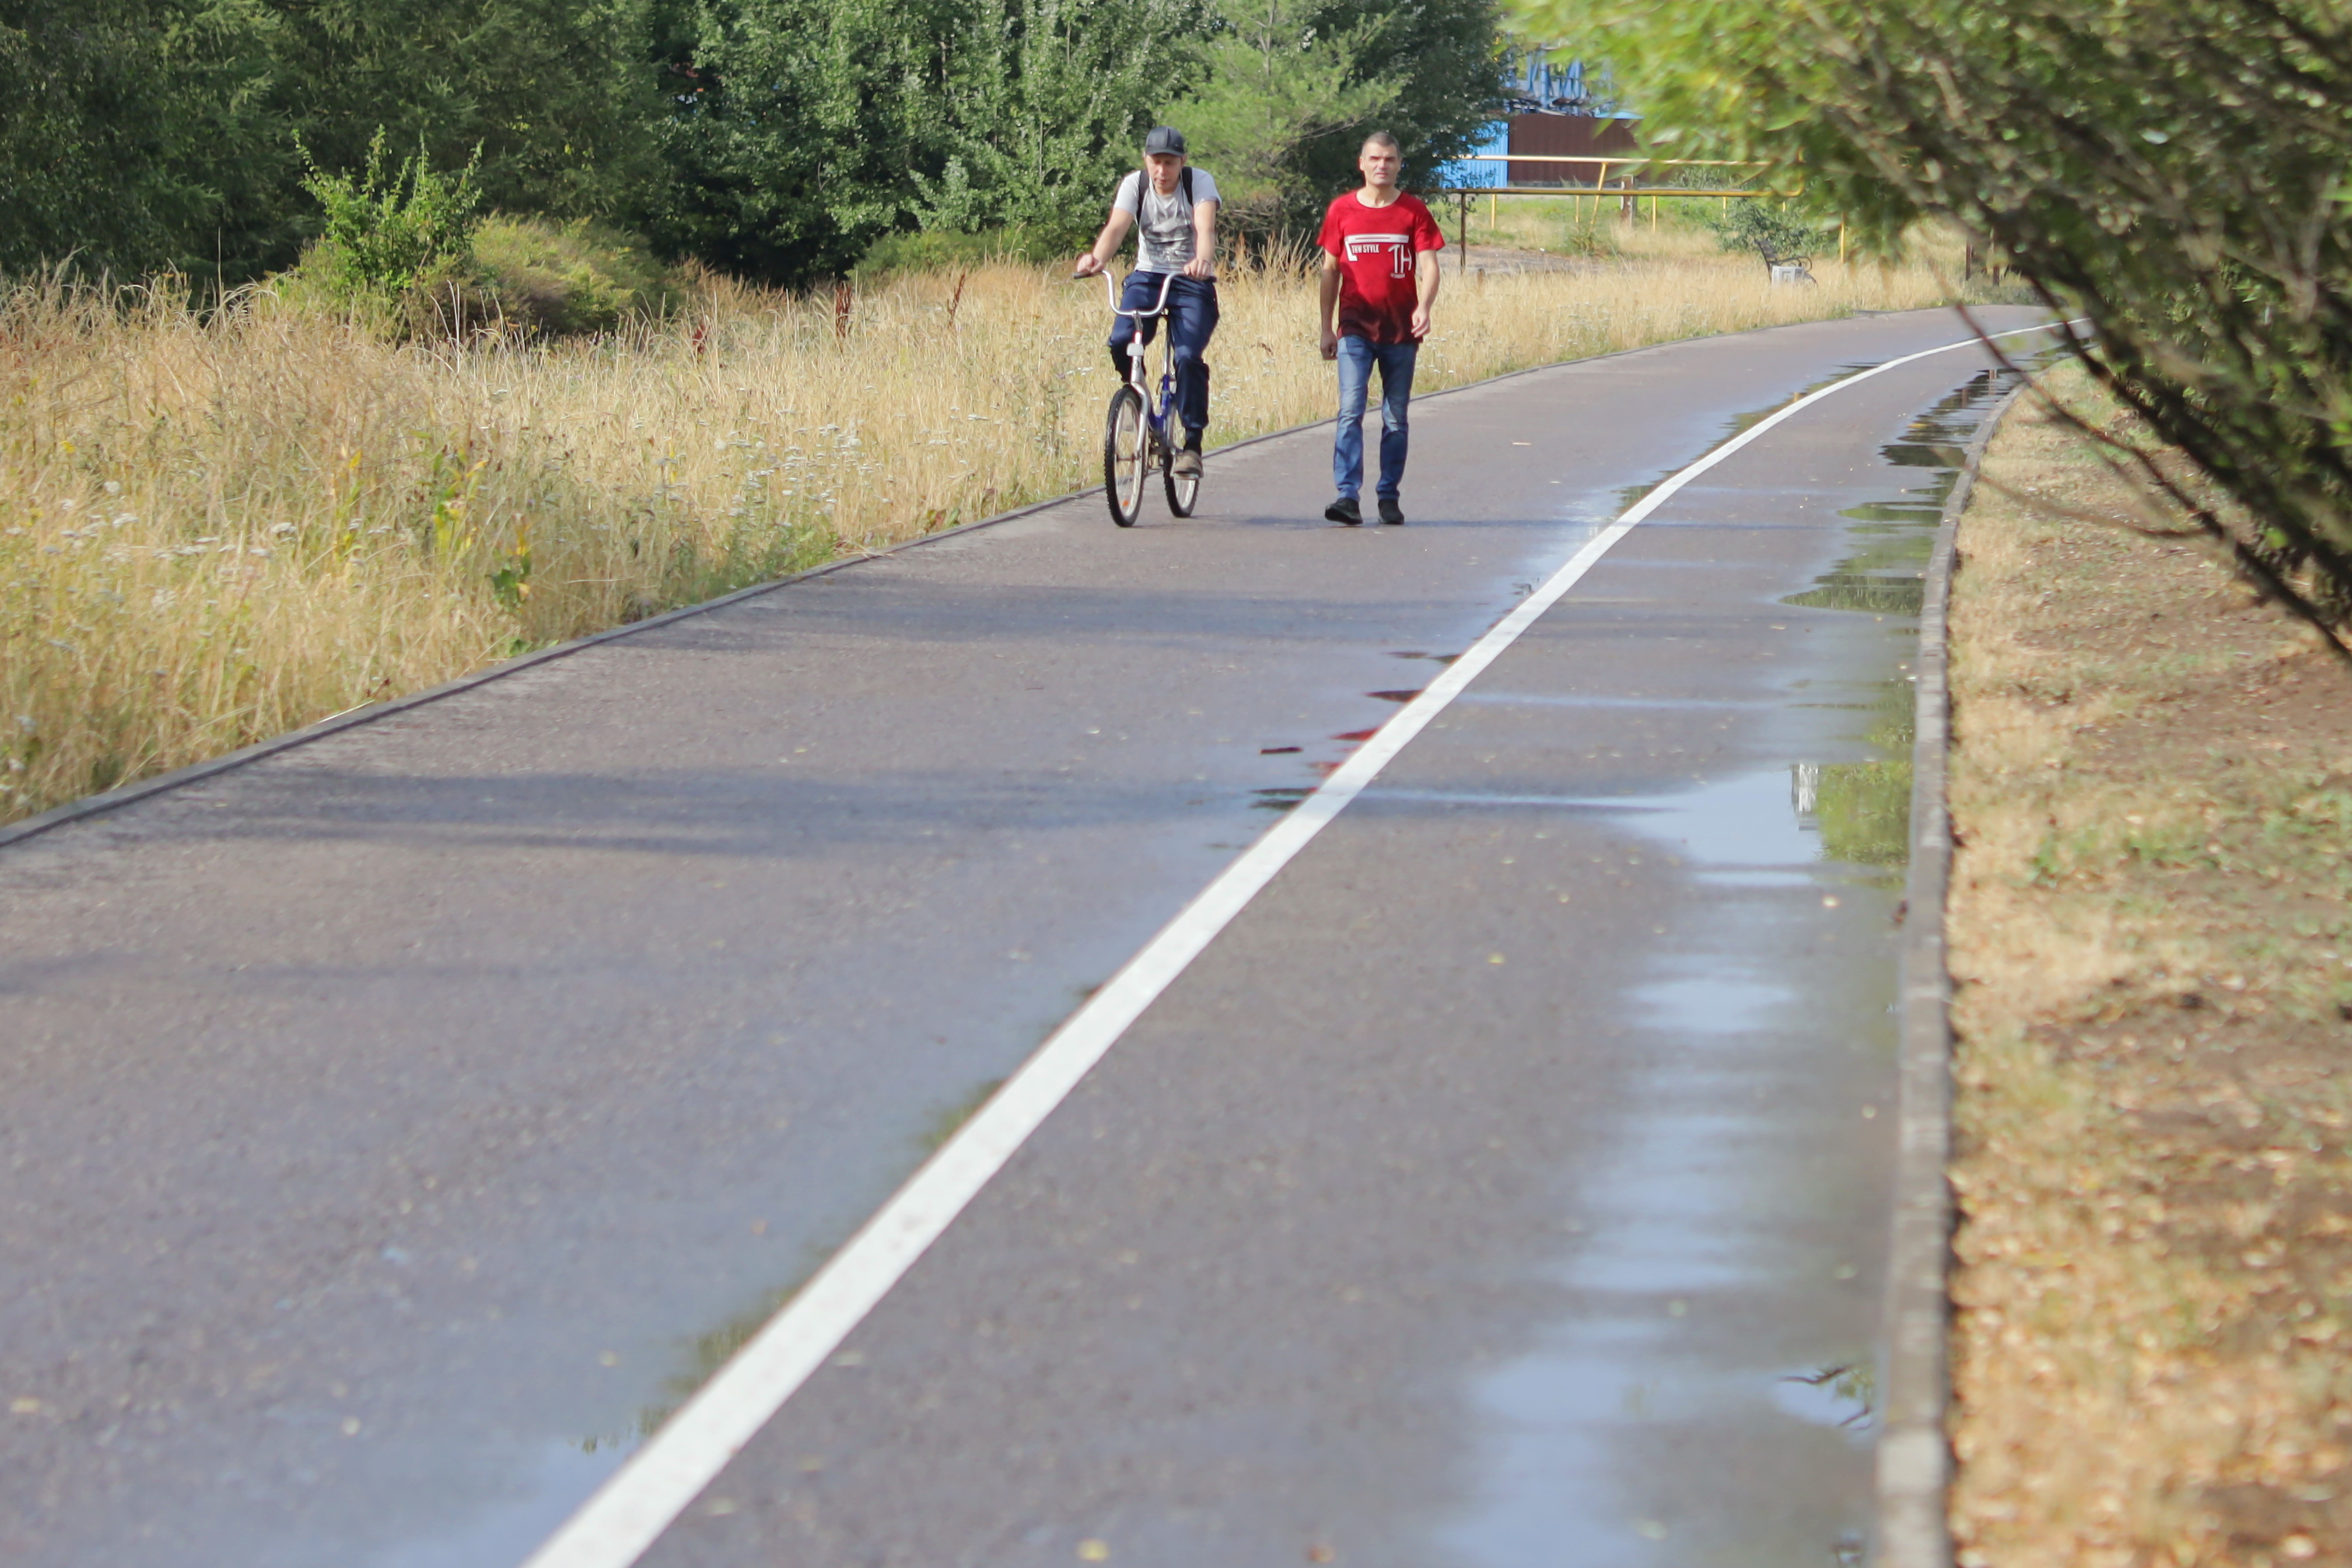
1379	279
1174	208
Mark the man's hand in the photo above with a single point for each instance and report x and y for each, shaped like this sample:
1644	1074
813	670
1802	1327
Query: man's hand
1089	265
1327	305
1199	267
1426	275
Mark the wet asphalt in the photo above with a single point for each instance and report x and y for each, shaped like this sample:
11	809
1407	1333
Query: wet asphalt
395	1128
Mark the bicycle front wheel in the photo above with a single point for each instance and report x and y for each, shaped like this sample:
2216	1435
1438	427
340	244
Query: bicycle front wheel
1123	455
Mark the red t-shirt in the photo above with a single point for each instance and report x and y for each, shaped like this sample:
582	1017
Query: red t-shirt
1376	249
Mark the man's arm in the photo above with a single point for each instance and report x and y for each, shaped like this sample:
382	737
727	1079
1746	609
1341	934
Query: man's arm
1106	243
1425	274
1205	241
1328	317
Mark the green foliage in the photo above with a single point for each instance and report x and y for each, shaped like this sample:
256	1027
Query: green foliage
777	139
144	136
134	140
1445	58
557	96
808	129
523	276
1043	107
575	277
1770	228
797	127
2173	170
1277	81
385	234
1863	810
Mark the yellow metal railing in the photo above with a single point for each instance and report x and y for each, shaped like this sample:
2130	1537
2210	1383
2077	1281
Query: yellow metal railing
1599	189
1600	180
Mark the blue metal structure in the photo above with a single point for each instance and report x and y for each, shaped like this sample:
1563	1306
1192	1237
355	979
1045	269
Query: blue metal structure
1535	83
1494	137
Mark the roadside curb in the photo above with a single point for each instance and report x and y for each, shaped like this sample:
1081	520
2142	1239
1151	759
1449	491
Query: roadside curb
1914	1456
126	794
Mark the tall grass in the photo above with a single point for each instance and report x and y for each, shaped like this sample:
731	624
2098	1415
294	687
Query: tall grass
218	525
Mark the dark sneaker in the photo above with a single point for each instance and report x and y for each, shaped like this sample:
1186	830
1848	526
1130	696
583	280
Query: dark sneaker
1391	512
1344	509
1187	464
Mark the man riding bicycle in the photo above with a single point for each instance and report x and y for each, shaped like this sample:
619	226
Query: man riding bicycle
1174	208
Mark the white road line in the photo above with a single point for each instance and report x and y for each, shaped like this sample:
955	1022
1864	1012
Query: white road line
639	1502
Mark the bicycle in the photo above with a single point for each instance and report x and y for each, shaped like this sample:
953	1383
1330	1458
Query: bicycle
1138	435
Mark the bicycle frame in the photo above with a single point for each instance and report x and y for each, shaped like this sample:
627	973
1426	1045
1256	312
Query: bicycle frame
1156	413
1139	434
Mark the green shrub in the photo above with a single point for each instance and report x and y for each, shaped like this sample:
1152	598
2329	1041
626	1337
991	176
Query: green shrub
519	276
407	251
1770	228
575	277
385	236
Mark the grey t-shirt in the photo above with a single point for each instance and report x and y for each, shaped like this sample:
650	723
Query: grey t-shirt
1163	224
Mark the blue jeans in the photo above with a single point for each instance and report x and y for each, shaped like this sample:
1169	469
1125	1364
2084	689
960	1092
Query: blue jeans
1357	357
1191	322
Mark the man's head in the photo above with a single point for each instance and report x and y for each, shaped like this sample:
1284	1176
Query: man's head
1382	160
1163	154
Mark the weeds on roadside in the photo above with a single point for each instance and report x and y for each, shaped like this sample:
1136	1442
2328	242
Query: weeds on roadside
2152	803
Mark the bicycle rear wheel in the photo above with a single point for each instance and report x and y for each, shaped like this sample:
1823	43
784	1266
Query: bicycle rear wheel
1124	450
1181	492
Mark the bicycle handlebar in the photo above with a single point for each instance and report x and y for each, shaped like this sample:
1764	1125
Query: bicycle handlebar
1111	287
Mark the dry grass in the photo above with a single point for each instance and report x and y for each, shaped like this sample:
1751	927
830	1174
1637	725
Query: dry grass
2152	933
215	530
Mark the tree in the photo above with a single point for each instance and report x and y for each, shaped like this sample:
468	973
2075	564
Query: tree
1447	59
798	128
151	135
1278	79
2175	171
559	94
1044	105
136	134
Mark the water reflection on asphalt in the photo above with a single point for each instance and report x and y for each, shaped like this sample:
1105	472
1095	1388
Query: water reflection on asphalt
1655	1354
1704	1395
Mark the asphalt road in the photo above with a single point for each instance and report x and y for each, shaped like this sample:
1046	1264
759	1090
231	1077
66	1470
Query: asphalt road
396	1127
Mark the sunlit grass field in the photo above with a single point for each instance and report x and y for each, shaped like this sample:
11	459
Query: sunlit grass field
216	526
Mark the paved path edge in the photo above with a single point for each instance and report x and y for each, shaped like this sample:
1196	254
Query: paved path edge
1915	1454
125	795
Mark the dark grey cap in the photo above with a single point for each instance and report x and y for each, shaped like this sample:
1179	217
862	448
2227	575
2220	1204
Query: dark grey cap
1164	138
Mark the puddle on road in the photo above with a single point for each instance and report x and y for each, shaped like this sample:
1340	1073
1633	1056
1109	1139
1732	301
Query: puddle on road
1843	1397
1716	1318
547	1487
1863	810
1692	1315
1655	1253
1628	497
